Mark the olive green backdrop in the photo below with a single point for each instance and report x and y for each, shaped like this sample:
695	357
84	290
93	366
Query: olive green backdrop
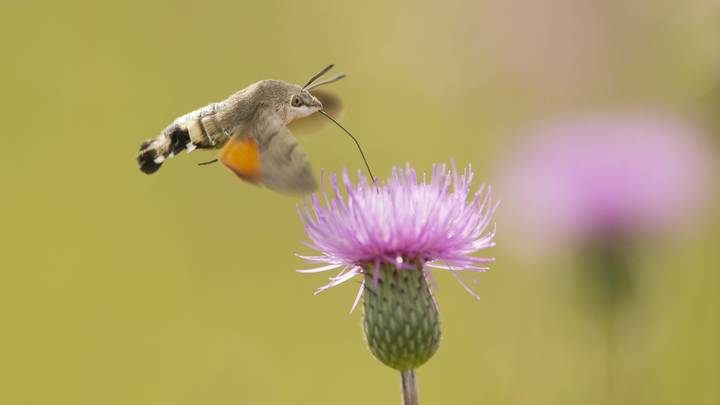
178	288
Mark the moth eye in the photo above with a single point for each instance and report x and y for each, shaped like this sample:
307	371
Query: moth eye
295	102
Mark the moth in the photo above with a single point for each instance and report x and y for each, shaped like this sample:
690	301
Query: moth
251	129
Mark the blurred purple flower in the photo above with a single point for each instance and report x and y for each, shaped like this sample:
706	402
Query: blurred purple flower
605	175
400	222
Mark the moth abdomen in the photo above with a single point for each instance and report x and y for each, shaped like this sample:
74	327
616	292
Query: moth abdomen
154	152
179	141
146	159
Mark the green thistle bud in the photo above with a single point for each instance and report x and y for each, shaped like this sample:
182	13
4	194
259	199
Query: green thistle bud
400	318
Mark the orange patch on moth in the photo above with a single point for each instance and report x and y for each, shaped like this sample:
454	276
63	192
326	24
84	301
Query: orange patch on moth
242	157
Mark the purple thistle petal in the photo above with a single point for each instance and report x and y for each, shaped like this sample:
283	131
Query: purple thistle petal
320	269
402	222
465	286
357	297
342	277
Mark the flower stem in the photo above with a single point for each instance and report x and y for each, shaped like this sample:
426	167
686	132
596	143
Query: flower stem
610	353
610	284
409	388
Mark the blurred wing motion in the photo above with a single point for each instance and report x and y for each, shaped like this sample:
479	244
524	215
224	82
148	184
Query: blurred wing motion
313	123
272	158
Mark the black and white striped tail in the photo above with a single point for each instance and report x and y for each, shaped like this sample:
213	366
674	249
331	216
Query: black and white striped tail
154	152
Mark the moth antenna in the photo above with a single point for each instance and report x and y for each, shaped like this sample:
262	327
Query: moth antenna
209	162
328	81
317	75
354	139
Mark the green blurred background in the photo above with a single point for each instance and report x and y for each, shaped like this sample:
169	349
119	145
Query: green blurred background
178	288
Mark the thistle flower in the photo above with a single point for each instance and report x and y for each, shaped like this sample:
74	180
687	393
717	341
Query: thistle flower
401	223
389	234
598	184
601	182
621	175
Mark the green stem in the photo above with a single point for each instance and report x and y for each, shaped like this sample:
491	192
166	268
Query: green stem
609	280
409	387
610	352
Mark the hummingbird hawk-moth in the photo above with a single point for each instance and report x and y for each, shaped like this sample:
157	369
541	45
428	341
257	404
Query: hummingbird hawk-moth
251	128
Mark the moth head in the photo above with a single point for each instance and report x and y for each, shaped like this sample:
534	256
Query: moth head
301	104
304	99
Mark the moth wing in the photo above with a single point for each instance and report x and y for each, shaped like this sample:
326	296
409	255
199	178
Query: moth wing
271	157
285	166
241	155
314	122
